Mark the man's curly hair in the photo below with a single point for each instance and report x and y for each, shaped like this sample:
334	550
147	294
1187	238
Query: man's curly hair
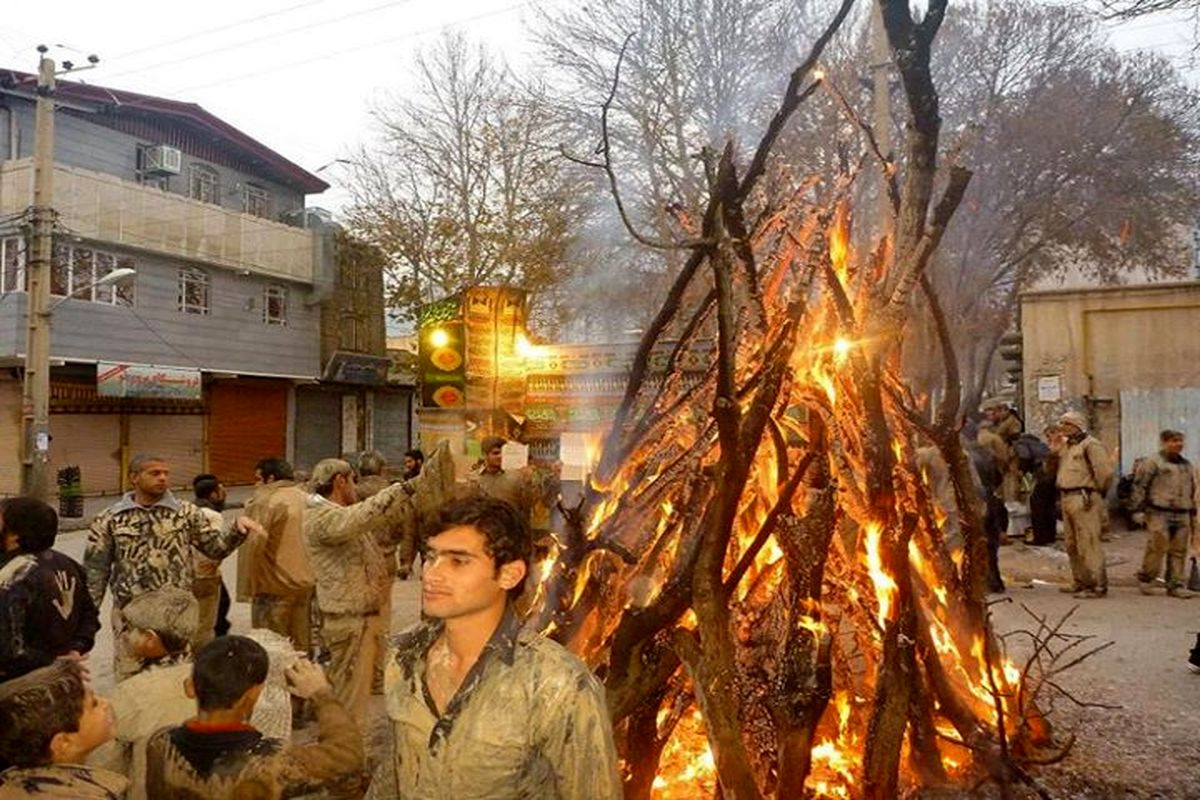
35	707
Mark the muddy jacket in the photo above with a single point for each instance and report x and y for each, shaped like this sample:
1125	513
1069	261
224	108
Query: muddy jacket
72	781
1164	484
511	486
1008	428
280	565
388	537
1084	464
528	722
345	556
45	612
197	762
134	549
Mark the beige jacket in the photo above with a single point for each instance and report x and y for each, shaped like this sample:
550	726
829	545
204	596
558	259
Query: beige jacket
280	565
68	781
1161	484
346	558
1084	464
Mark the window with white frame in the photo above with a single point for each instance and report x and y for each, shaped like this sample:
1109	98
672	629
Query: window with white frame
12	264
256	200
75	269
204	184
193	291
275	298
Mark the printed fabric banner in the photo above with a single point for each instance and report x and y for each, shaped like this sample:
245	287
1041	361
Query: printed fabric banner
141	380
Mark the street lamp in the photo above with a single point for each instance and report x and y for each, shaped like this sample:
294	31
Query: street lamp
36	395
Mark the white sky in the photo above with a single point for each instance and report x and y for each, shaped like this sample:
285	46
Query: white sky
301	75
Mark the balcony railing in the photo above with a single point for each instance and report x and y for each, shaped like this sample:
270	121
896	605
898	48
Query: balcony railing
105	208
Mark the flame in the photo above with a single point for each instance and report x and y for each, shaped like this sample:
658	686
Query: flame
839	241
835	762
687	768
885	585
841	350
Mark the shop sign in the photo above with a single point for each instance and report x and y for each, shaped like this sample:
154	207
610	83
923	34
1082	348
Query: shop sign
143	380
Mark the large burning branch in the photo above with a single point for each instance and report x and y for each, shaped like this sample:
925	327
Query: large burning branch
759	557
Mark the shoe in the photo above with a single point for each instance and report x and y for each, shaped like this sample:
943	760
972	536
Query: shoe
1194	658
1147	588
1088	594
1180	592
1070	588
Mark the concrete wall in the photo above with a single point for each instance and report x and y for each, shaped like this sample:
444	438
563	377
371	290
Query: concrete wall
1094	343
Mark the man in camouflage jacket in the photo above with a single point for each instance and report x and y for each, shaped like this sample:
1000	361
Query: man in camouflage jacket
144	542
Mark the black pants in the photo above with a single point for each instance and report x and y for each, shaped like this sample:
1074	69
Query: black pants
996	523
222	626
1042	515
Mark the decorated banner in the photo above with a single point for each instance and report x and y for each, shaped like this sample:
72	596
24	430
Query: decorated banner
143	380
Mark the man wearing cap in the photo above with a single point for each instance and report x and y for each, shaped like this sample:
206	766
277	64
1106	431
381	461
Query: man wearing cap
1085	473
340	533
1006	425
144	542
1164	489
492	480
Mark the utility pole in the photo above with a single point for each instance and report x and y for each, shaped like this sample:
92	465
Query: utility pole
35	400
881	62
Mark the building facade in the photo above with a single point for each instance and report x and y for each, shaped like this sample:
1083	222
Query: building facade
197	356
1128	357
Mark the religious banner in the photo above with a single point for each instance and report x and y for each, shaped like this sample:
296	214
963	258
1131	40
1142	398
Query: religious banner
145	380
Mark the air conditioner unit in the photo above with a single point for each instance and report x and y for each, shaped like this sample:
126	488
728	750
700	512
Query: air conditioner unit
162	160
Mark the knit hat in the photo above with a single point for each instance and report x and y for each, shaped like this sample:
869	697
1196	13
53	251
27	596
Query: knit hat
327	468
167	610
1074	418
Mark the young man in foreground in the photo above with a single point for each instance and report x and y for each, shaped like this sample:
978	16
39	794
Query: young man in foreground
478	708
218	754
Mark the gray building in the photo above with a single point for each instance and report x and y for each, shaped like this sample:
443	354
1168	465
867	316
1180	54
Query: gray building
198	356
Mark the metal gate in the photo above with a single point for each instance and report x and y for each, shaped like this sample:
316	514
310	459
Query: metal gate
318	431
1146	412
392	423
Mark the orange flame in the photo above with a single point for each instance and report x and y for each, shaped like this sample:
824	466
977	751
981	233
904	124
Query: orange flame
885	585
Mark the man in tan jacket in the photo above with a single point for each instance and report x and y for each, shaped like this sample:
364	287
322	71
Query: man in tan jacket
341	537
281	578
1164	489
1085	473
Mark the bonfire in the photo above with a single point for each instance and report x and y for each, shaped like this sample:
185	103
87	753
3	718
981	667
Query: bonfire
757	572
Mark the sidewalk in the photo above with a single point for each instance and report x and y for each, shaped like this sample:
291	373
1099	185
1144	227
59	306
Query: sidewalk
1022	564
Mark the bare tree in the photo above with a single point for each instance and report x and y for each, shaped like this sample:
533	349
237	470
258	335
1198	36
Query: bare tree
465	185
1128	9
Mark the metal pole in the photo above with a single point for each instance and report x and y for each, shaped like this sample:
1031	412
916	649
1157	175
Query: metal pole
35	401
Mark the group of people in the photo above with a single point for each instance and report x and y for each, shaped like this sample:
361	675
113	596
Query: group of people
476	706
1069	475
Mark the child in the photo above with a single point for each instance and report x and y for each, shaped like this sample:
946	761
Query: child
160	627
218	754
49	722
45	608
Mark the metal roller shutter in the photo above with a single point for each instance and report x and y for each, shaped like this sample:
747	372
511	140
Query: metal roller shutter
10	437
247	422
391	420
179	438
318	426
91	442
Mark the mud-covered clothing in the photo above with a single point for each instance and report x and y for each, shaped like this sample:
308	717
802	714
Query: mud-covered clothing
528	722
1008	428
345	555
1084	467
69	781
280	565
134	549
196	761
511	486
1164	484
1082	523
45	612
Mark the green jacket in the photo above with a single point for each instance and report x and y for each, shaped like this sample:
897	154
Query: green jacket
528	723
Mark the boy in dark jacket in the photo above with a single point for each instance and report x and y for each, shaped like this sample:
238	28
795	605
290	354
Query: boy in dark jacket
218	754
45	608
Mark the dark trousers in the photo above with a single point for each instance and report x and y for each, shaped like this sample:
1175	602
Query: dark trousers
1042	511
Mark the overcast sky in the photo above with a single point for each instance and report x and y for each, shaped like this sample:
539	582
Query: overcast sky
301	75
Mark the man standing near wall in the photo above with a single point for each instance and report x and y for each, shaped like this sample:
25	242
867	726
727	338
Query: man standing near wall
144	542
1085	473
281	577
340	533
1006	425
1164	498
511	486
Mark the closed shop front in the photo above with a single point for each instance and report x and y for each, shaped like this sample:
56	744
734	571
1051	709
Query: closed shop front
247	422
392	420
91	442
178	438
318	425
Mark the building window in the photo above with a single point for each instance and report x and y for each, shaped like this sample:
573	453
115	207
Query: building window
12	264
256	200
275	304
193	291
203	184
348	333
75	270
